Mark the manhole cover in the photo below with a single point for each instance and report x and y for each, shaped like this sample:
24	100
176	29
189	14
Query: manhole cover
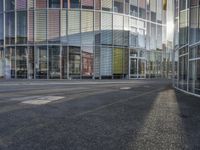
41	100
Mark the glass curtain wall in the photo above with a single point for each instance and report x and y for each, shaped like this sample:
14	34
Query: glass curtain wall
67	39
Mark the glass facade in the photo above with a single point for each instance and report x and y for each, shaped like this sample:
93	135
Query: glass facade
187	48
92	39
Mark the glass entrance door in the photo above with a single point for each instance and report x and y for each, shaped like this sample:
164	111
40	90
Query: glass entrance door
133	68
137	68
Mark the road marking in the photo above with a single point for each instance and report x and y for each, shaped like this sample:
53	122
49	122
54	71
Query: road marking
40	100
125	88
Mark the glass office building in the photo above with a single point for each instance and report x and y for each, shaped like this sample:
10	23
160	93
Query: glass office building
187	46
78	39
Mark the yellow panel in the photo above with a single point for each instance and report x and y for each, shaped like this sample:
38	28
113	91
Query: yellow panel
118	61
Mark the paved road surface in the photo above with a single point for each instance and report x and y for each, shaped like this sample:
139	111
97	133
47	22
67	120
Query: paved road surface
97	115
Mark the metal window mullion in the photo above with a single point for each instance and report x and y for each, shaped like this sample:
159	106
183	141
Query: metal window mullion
67	62
47	26
93	46
4	39
80	29
60	56
15	15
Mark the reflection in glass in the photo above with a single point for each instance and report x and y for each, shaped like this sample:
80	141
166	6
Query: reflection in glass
41	62
1	62
31	64
54	62
21	62
21	27
64	63
74	62
9	62
87	61
119	6
1	30
10	28
54	26
54	3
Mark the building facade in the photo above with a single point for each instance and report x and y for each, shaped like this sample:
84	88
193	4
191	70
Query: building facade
77	39
187	46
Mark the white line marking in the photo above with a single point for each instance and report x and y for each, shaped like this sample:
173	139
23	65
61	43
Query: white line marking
41	100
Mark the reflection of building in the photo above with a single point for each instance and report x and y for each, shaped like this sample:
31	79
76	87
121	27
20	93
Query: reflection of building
187	47
83	39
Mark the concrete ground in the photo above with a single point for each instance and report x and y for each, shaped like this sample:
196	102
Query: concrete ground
97	115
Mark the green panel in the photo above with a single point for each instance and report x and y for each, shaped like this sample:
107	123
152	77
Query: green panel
118	61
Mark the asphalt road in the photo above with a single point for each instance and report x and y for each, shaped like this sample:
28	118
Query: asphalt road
97	115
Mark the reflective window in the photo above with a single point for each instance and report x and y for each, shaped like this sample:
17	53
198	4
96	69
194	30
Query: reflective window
141	38
1	6
195	52
87	25
134	7
41	26
159	11
87	61
41	62
21	62
182	4
194	76
74	62
153	37
153	10
142	9
31	4
127	6
126	31
159	37
106	27
118	29
193	24
119	6
133	32
87	4
31	27
21	4
54	62
9	62
107	5
1	62
97	62
65	3
10	28
63	28
31	63
193	2
183	72
21	27
54	3
106	61
54	26
41	3
64	63
97	4
74	3
10	5
74	28
97	27
183	28
1	29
